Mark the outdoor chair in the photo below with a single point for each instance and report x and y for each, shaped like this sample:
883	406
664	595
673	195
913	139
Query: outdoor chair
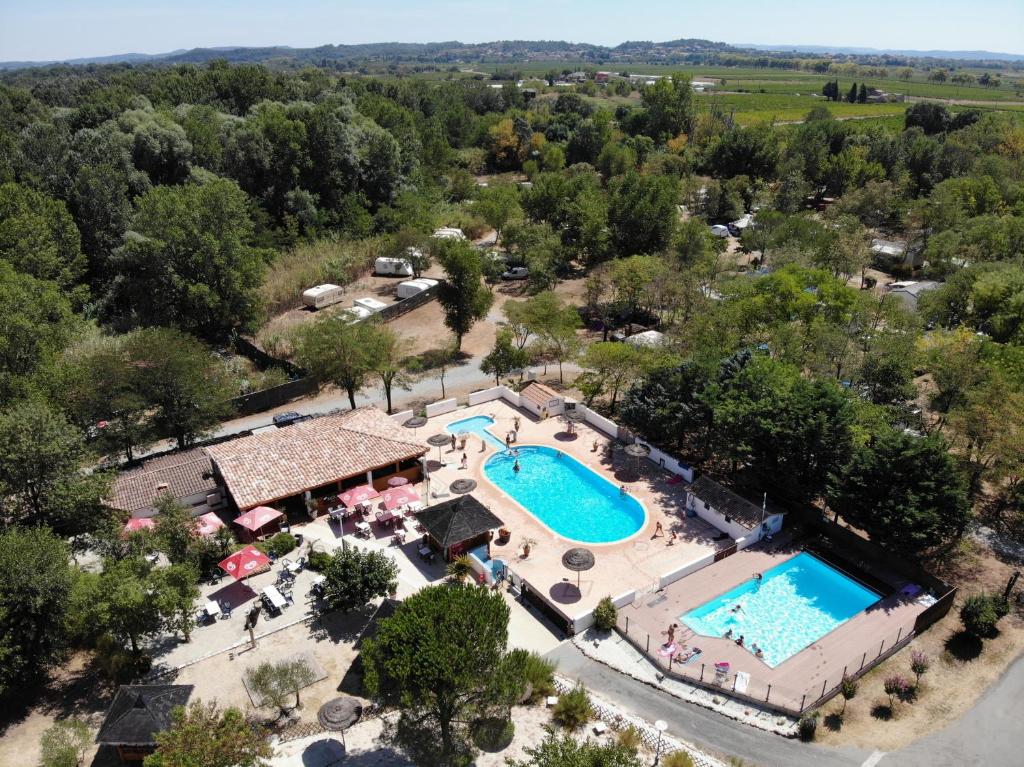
225	610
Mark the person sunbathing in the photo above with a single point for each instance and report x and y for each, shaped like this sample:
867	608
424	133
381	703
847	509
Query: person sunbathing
687	654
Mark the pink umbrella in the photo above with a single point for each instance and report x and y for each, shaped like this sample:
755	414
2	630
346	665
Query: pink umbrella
256	518
398	481
208	524
399	496
245	562
358	495
142	523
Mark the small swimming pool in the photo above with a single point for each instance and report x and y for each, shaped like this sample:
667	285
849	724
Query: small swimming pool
476	425
565	495
795	604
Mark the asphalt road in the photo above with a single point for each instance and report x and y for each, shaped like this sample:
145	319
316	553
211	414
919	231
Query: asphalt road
989	734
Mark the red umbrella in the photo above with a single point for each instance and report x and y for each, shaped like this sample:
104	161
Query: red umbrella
256	518
357	495
245	562
142	523
398	481
399	496
208	524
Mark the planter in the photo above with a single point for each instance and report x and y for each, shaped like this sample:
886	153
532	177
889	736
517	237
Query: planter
526	551
504	534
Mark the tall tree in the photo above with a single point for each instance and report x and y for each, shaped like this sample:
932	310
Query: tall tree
462	296
609	368
642	213
421	660
355	577
201	734
334	350
498	204
35	587
670	107
387	354
189	261
504	357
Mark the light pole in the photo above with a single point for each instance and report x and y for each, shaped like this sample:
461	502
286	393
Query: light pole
660	726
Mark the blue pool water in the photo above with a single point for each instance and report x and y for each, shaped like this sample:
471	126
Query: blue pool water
476	425
497	566
796	604
566	496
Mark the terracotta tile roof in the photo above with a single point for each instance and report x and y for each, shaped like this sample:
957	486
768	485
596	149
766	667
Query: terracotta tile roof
539	394
266	467
182	473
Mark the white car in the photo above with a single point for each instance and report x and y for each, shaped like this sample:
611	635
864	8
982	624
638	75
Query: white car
516	273
720	230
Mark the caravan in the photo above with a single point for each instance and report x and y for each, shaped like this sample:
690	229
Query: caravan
392	267
410	288
322	295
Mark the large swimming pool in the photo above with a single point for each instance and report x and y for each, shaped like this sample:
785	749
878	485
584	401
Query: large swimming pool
795	604
565	495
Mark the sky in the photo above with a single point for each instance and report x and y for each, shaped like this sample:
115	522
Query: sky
38	30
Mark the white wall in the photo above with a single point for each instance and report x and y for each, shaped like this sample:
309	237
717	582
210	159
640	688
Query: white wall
669	463
687	569
713	517
441	407
600	422
583	621
495	392
402	417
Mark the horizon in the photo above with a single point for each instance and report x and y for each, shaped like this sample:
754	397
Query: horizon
59	30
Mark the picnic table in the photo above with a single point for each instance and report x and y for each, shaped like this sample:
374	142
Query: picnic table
386	518
275	597
212	608
426	553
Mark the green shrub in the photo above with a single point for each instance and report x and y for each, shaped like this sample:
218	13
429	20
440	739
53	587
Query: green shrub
65	744
981	613
493	734
605	615
630	739
318	560
677	759
536	674
573	709
807	727
280	544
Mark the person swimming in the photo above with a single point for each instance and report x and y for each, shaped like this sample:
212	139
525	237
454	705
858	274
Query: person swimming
515	466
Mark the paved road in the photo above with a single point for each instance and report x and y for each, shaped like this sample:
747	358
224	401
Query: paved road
989	734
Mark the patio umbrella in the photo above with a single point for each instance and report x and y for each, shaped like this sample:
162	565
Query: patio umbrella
415	422
143	523
208	524
358	495
638	451
439	441
245	562
257	518
462	486
339	714
399	496
398	481
578	559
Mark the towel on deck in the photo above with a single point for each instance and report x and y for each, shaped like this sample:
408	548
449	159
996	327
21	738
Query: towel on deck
742	681
667	650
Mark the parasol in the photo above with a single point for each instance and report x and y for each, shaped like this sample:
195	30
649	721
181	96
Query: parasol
578	560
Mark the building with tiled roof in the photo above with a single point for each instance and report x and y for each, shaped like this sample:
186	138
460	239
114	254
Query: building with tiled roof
187	477
541	400
331	452
138	713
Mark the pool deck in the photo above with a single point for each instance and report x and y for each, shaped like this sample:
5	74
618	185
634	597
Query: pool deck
635	563
806	673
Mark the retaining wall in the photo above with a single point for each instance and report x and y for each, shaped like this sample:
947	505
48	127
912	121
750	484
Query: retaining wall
442	407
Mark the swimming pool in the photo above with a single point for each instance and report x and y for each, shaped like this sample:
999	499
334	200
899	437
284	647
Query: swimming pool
476	425
795	604
565	495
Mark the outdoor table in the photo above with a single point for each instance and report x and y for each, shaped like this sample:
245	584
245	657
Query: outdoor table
212	608
275	597
386	517
363	528
292	567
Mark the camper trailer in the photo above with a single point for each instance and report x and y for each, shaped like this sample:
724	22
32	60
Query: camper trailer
393	267
372	304
322	295
410	288
449	233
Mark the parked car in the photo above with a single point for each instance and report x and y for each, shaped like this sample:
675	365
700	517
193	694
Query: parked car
287	419
720	230
516	273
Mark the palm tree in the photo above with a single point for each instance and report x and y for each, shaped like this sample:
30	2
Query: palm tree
460	568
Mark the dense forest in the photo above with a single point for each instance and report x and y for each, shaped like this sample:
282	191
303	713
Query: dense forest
149	215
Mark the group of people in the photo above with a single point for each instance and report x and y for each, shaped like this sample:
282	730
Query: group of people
741	640
659	532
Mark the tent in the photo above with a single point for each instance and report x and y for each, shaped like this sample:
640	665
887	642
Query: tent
245	562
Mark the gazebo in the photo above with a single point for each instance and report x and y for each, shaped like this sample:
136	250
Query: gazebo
456	526
137	714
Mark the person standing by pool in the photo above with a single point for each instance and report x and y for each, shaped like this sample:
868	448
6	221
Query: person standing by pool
465	461
515	422
508	440
658	530
453	443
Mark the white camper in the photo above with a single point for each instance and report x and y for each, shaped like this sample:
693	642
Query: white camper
355	313
396	267
322	295
370	303
449	233
410	288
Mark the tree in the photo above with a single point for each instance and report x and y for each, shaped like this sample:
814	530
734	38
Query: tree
862	94
498	204
203	735
188	262
421	660
462	296
981	613
438	359
919	665
642	213
35	588
386	353
566	751
609	368
670	107
354	577
38	237
504	357
40	457
848	688
334	349
851	97
276	682
65	743
904	491
186	386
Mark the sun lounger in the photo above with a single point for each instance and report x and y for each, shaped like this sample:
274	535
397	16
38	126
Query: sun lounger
910	591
